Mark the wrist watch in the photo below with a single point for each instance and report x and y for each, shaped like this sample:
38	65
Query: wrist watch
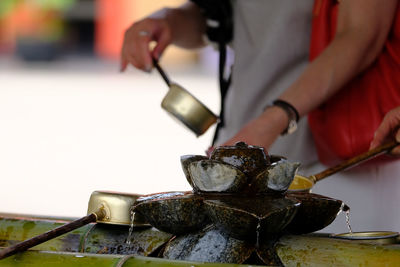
292	113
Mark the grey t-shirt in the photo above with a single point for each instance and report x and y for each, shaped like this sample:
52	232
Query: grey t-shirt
271	43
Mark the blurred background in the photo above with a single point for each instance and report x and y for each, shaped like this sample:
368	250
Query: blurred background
70	123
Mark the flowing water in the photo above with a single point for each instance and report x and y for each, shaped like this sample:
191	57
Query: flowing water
347	212
344	208
128	240
258	233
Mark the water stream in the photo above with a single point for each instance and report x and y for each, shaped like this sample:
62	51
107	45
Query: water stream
344	208
128	240
258	233
347	212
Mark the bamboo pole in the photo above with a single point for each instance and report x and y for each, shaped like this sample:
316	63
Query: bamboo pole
92	238
95	239
17	228
304	250
51	234
67	259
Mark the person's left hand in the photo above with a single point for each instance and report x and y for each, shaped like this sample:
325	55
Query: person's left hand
263	130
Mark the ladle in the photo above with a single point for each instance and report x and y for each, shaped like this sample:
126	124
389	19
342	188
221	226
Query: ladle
104	207
304	184
185	107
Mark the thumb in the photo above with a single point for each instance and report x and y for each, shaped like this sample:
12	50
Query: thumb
396	150
398	136
123	65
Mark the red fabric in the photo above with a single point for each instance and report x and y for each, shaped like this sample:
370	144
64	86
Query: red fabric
344	126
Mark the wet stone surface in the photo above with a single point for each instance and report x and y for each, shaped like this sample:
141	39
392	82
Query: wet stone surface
249	159
252	218
315	213
238	208
111	239
208	245
174	213
214	176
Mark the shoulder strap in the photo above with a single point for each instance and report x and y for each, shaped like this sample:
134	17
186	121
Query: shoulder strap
219	21
218	15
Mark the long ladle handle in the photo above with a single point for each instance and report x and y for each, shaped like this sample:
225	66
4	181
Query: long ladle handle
162	72
24	245
356	160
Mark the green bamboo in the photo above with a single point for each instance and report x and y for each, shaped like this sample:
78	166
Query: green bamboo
324	251
111	239
92	238
67	259
59	259
17	228
95	239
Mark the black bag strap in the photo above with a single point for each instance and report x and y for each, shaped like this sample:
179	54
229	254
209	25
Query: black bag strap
218	14
219	21
223	86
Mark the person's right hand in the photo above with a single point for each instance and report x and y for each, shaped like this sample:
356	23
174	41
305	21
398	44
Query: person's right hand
389	129
137	38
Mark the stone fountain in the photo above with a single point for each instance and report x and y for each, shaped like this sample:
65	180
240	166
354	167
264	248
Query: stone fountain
239	207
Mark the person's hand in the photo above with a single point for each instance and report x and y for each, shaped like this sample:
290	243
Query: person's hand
137	38
389	129
262	131
182	26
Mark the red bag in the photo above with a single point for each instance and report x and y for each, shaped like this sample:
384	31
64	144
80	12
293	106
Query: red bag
344	125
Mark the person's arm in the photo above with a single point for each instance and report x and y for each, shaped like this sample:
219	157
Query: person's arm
363	26
362	29
389	129
183	26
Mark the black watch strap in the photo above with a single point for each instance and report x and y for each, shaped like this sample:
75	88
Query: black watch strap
288	106
292	113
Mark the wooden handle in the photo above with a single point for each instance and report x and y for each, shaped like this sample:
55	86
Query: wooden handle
356	160
47	236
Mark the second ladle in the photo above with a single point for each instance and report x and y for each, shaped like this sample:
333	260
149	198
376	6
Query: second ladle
185	107
304	184
104	207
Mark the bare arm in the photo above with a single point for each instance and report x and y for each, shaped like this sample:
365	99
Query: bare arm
182	26
362	29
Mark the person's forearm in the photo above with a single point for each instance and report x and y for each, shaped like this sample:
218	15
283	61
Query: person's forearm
340	62
362	29
355	47
188	25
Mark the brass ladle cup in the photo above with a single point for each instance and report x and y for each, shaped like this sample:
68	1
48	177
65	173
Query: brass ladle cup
304	184
104	207
185	107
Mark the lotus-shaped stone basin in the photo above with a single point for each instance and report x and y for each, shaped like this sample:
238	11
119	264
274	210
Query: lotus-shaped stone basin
252	218
238	169
315	213
173	212
239	193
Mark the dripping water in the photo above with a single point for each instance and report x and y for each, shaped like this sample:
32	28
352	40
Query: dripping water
347	212
346	209
128	240
258	233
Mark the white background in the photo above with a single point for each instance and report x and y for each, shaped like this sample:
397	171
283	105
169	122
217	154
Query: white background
72	127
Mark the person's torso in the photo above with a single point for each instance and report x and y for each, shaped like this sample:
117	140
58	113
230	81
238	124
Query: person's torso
271	44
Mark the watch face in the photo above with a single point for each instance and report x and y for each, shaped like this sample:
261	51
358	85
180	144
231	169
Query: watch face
292	127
